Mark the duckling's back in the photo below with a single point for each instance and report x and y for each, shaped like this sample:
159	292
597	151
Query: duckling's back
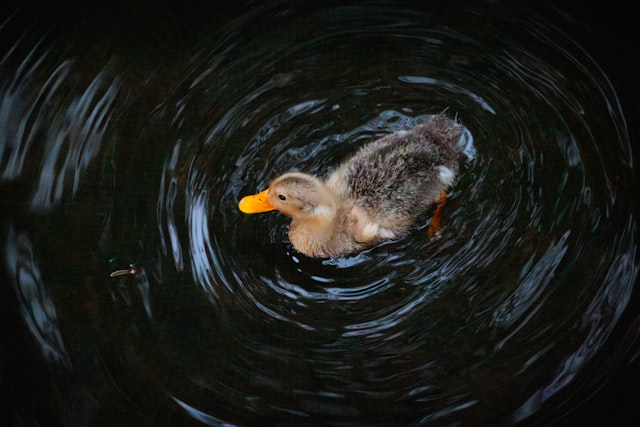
397	177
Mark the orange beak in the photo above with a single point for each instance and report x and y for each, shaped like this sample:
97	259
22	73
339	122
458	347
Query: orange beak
256	203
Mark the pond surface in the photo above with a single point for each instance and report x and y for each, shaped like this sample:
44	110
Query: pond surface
138	294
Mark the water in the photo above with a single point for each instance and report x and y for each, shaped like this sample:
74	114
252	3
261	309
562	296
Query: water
126	145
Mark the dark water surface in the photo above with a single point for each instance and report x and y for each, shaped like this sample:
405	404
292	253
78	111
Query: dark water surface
129	133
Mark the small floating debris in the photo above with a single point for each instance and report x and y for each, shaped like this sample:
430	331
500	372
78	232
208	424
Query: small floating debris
117	273
132	270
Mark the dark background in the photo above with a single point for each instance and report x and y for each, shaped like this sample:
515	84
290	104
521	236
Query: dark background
605	29
608	37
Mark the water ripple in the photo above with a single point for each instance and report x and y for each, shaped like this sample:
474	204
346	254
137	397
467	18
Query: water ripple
36	305
522	216
516	304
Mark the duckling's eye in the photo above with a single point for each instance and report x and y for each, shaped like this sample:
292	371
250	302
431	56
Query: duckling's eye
282	197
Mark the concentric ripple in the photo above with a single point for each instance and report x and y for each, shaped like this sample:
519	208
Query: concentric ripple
223	322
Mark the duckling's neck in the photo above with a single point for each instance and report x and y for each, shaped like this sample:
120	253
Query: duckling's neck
322	206
312	234
321	218
323	214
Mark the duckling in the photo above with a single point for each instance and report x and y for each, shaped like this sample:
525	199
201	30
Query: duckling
373	196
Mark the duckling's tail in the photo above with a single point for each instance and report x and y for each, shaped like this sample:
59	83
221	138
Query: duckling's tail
444	128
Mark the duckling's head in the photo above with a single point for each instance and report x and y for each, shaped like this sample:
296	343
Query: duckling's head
295	194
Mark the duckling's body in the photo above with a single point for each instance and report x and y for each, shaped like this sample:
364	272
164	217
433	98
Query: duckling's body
373	196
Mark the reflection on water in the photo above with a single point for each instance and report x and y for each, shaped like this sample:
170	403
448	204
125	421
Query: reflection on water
153	299
36	306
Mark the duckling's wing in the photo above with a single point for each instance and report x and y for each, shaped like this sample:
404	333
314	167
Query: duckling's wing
402	174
